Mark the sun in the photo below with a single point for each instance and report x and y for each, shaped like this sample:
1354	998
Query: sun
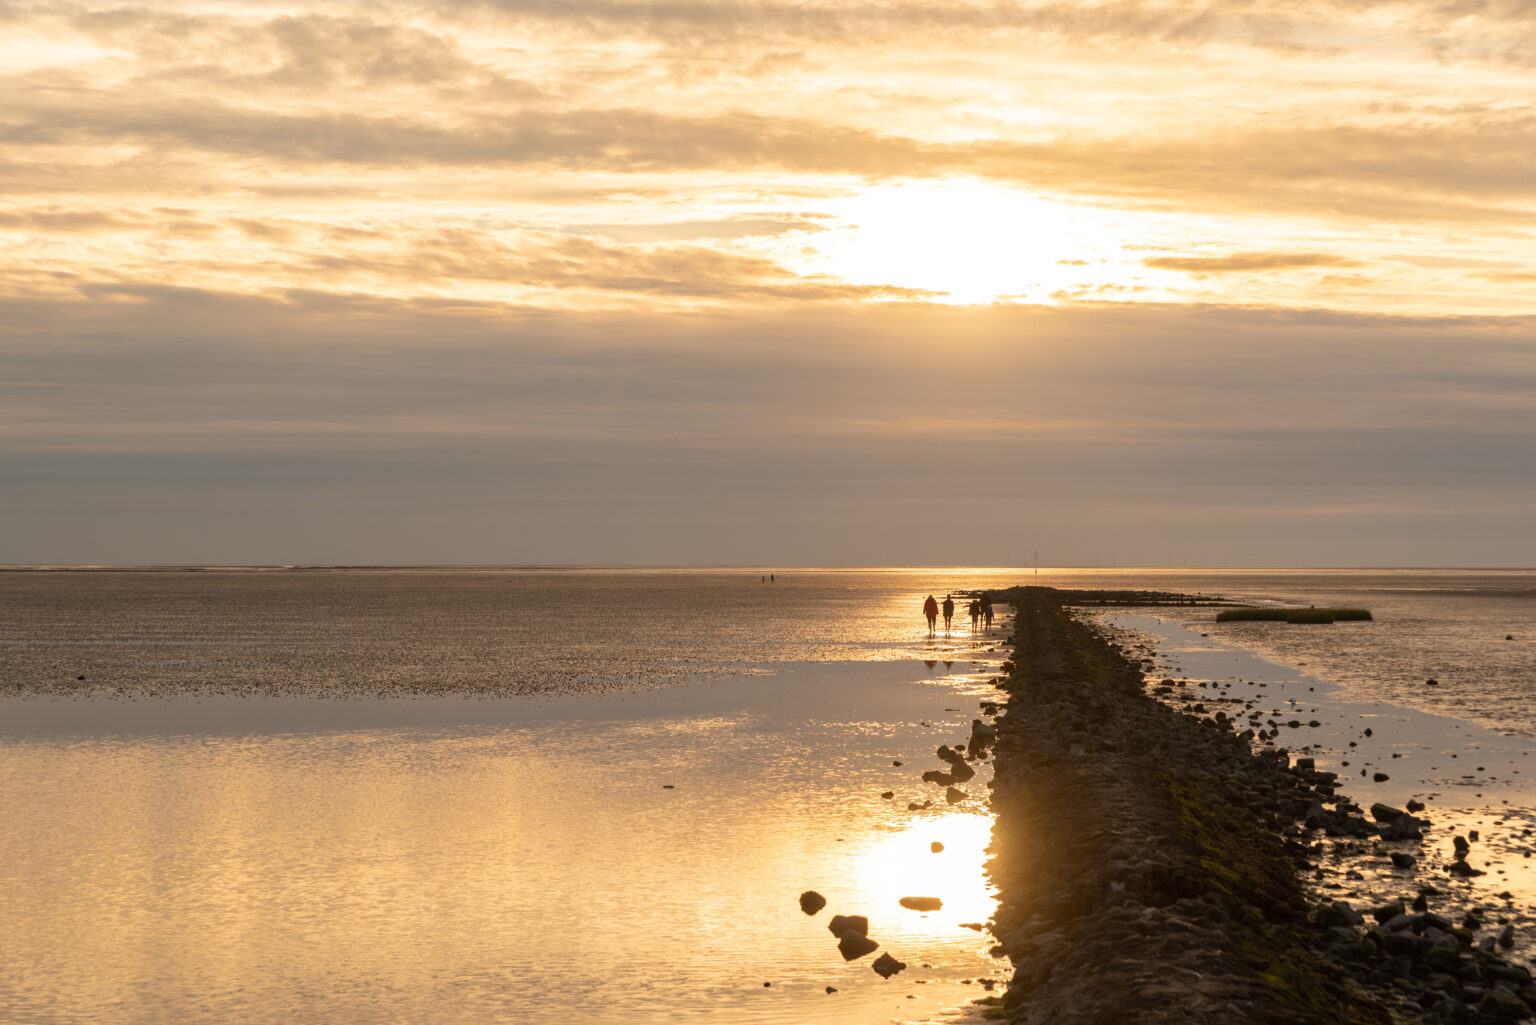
974	242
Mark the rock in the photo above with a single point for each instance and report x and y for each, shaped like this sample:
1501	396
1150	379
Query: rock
844	923
1507	937
1336	915
888	794
886	966
1415	805
831	989
972	925
1379	777
1500	1003
954	795
812	902
1401	860
921	903
943	779
1387	912
935	847
1306	763
1315	817
1431	682
1385	812
1405	827
854	945
961	772
1459	867
898	765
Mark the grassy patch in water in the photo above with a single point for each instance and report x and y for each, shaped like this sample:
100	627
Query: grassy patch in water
1273	615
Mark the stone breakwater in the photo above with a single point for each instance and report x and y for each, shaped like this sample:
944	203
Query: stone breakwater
1141	855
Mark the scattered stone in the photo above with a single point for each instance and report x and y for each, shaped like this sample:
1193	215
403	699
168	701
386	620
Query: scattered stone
943	779
854	945
1379	777
972	925
921	903
888	794
1402	860
812	902
831	989
954	795
848	923
886	966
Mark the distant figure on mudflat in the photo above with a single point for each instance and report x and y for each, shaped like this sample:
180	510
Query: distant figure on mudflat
974	608
931	610
986	608
949	611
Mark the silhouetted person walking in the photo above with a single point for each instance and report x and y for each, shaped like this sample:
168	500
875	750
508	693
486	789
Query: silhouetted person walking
931	610
949	611
974	609
986	609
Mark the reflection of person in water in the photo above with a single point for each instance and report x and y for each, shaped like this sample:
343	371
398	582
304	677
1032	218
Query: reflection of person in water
949	611
931	610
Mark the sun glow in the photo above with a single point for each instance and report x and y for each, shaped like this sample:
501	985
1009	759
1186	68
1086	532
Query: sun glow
906	865
972	241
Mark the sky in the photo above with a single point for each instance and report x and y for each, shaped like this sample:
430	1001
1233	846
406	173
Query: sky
821	282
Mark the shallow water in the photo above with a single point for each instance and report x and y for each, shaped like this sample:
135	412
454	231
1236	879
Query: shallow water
516	861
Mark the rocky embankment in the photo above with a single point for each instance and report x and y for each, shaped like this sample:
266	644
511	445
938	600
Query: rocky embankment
1140	854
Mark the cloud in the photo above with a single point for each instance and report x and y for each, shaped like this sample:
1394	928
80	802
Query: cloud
1247	262
181	410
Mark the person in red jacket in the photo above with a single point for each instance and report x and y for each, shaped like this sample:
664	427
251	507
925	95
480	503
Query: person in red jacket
931	610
